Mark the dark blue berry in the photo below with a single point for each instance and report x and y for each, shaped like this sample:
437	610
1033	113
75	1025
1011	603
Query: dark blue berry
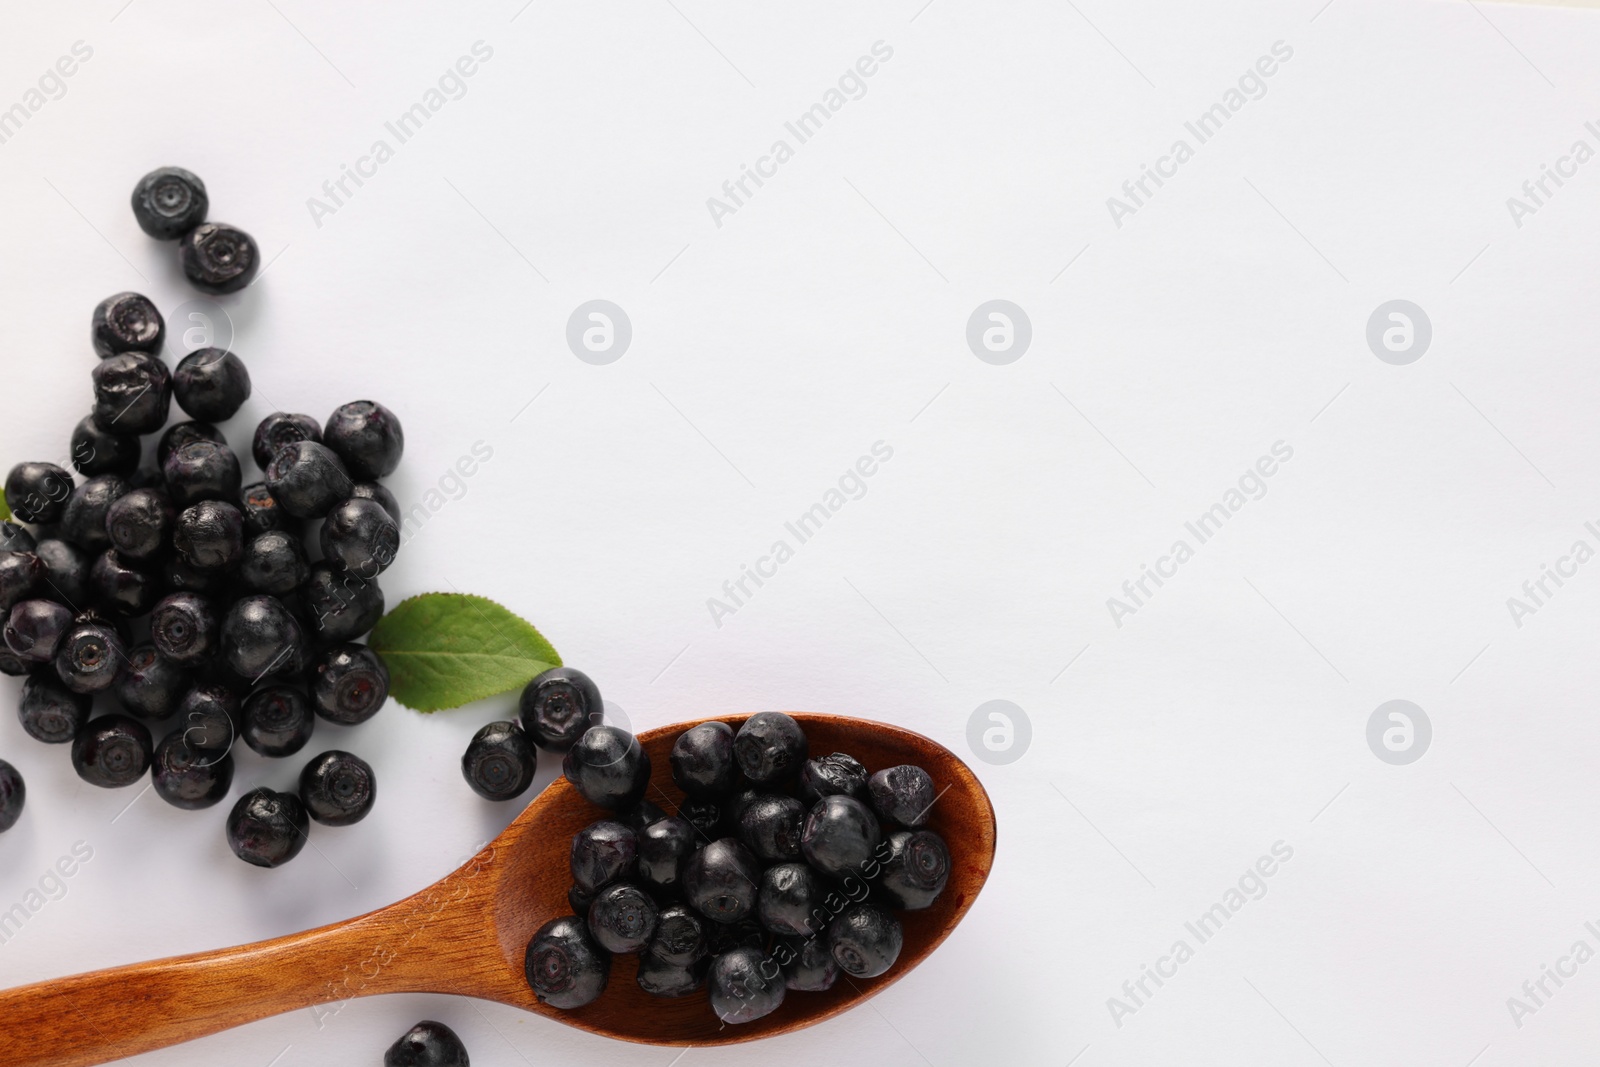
680	937
126	322
742	989
211	384
274	562
340	606
184	433
558	706
427	1044
839	836
22	574
902	794
769	747
150	686
267	828
277	720
564	967
338	788
50	712
622	918
209	536
34	629
376	492
139	523
94	451
261	512
770	827
188	776
499	762
864	940
12	665
260	636
721	881
83	520
660	978
280	429
132	394
811	969
184	629
66	573
367	436
169	202
14	538
218	258
122	586
608	767
664	850
111	751
916	871
90	657
360	537
202	470
705	816
702	760
790	895
12	795
603	852
38	492
308	480
349	684
210	714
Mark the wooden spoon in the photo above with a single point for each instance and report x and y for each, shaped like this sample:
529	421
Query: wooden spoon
467	933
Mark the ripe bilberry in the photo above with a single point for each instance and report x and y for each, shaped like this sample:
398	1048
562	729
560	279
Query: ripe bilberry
865	940
662	979
340	606
94	451
34	629
50	712
499	762
122	586
349	684
13	793
375	491
277	720
770	827
338	788
608	767
558	706
21	576
150	686
664	850
126	322
90	657
183	628
427	1044
139	523
111	751
308	480
274	562
916	871
169	202
721	880
83	520
839	835
261	512
267	828
188	776
769	747
835	773
564	967
360	537
702	760
218	258
182	433
279	429
741	990
789	893
603	852
38	492
66	572
211	384
132	394
209	536
622	918
367	436
902	794
260	636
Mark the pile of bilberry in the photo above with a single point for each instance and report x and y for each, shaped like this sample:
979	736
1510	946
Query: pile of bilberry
186	596
778	872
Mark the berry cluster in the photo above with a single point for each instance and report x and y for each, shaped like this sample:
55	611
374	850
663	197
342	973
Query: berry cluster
779	872
185	595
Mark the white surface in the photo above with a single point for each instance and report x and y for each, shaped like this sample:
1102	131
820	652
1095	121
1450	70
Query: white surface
1228	314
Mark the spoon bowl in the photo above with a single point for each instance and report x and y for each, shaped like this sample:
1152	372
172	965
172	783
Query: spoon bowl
467	934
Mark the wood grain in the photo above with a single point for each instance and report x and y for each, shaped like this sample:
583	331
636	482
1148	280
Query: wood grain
466	934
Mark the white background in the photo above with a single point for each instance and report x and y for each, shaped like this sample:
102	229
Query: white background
829	313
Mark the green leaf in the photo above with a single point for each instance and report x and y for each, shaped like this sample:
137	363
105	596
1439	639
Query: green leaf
5	511
444	650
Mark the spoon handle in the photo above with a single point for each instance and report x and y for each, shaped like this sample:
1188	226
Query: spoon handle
105	1015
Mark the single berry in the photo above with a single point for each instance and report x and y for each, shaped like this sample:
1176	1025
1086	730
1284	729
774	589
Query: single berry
187	776
662	979
602	853
132	393
34	629
769	747
790	893
702	760
338	788
558	706
124	587
427	1044
274	562
376	492
184	629
608	767
360	537
267	828
210	713
367	436
139	523
741	989
111	751
499	762
308	480
22	575
279	429
202	470
664	850
169	202
622	918
277	720
340	606
185	433
812	968
564	967
262	513
209	536
150	686
916	871
349	684
865	940
217	258
38	492
83	520
722	880
770	827
211	384
12	795
94	451
126	322
50	712
90	657
680	936
902	794
260	637
839	836
66	573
